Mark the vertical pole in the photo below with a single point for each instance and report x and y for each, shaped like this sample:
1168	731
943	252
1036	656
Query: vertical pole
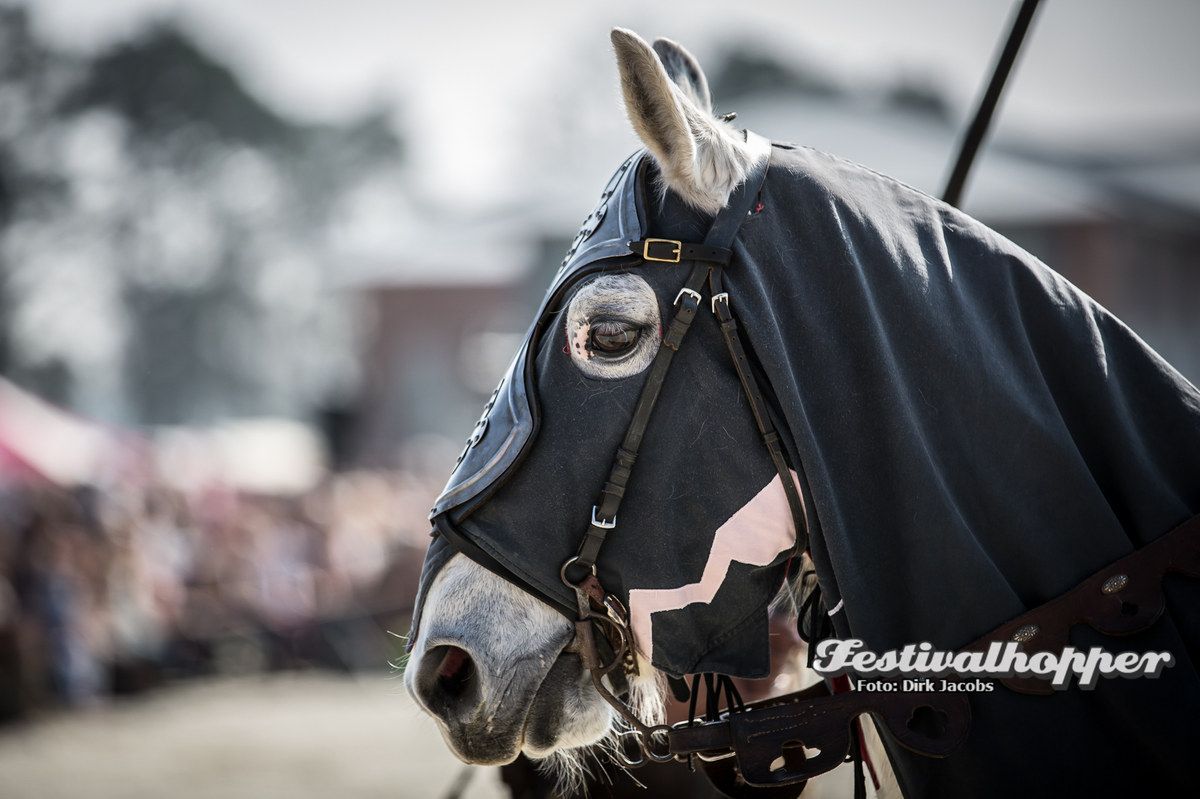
987	106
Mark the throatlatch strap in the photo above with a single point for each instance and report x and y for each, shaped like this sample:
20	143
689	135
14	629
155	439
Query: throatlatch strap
762	417
713	253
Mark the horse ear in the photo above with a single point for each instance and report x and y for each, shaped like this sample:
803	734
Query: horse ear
666	96
685	71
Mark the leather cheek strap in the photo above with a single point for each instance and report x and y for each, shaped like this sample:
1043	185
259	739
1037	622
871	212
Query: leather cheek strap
711	255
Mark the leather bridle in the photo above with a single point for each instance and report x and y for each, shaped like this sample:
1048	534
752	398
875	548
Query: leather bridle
709	260
610	654
603	636
597	608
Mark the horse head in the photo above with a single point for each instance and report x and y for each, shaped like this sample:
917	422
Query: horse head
705	512
754	353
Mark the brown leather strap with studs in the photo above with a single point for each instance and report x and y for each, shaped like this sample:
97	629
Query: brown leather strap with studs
931	723
1124	597
1120	599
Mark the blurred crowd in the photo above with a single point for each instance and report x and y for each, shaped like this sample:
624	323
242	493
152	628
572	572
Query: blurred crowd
107	592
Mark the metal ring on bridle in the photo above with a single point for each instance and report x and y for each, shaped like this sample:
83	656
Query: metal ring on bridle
571	561
619	750
643	738
647	738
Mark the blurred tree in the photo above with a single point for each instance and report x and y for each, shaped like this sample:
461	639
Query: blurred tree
748	70
162	82
183	274
7	201
28	74
921	95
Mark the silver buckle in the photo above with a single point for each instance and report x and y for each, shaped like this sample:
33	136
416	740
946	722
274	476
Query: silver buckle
723	297
686	290
603	525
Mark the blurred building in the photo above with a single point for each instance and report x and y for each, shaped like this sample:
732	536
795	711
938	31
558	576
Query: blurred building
441	322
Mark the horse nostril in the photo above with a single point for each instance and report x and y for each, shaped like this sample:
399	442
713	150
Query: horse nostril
449	681
455	671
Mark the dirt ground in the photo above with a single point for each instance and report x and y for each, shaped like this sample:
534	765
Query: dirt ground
299	736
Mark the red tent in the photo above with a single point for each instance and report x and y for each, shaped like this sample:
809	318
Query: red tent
40	442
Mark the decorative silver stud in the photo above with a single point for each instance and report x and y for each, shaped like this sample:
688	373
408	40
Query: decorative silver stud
1026	633
1115	583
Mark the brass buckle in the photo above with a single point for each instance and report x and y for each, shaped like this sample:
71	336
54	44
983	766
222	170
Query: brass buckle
676	250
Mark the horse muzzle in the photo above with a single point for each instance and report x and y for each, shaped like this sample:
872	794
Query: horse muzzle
489	665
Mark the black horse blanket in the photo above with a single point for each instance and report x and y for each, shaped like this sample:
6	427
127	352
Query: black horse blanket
977	436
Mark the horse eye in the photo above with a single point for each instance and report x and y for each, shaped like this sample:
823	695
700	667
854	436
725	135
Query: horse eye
612	338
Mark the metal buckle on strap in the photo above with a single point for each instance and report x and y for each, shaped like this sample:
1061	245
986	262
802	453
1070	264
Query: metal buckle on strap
603	525
722	297
685	290
673	253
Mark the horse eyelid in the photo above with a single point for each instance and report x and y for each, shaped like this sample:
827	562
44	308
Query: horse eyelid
633	332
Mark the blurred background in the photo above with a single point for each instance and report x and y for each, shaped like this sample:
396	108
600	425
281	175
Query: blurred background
261	263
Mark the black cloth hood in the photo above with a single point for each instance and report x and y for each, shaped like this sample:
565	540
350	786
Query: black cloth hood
521	497
975	436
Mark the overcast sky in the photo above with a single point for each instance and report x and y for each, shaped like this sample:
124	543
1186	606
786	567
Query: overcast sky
1094	73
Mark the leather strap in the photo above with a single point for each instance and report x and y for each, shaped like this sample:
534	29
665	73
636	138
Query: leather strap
766	731
672	252
1123	598
762	417
604	513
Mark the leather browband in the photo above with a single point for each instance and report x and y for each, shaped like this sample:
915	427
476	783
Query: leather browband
672	252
